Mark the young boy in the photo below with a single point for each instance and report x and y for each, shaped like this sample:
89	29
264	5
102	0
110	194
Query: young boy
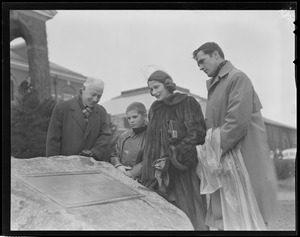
127	156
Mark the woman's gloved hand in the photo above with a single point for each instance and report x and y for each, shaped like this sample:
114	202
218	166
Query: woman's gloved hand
178	160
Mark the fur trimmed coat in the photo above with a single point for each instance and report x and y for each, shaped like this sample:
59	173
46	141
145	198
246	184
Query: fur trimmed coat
187	120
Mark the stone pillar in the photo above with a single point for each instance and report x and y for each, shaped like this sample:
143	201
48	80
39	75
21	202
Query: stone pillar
39	70
32	28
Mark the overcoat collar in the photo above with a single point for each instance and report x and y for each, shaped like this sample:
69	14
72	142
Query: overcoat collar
77	113
224	71
173	99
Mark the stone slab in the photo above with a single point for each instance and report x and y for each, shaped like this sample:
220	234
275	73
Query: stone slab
81	188
31	210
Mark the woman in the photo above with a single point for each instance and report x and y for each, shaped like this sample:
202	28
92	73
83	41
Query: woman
176	126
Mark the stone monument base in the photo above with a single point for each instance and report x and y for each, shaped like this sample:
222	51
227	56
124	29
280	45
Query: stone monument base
79	193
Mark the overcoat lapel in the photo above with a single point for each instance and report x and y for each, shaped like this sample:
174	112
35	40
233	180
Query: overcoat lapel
92	123
210	84
224	71
77	114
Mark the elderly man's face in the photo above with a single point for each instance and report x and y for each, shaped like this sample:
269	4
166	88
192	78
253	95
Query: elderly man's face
91	95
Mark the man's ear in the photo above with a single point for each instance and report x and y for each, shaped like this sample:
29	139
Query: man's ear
145	117
216	54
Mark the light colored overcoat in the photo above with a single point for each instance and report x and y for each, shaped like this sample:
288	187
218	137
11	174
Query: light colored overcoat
69	133
234	107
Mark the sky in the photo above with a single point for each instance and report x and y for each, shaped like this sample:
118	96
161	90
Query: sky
117	46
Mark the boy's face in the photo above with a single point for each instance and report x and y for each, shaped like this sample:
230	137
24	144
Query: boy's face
135	119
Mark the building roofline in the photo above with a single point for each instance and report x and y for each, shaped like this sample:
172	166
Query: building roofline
20	61
145	89
269	121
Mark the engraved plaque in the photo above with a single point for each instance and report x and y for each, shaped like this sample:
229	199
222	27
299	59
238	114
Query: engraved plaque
81	188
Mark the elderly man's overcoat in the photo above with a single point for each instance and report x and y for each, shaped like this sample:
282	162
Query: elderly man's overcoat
69	133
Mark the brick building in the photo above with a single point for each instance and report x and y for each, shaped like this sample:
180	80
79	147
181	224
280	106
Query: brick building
64	83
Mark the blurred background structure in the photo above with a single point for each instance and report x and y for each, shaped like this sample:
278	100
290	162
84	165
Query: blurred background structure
35	83
64	83
279	135
30	63
30	25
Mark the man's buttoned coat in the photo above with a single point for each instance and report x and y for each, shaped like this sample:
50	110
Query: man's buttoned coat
69	133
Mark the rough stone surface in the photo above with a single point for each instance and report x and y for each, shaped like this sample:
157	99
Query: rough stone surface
31	210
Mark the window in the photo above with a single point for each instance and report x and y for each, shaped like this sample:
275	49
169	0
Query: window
67	96
25	87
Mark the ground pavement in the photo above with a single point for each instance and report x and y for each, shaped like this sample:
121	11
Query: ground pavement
286	217
286	213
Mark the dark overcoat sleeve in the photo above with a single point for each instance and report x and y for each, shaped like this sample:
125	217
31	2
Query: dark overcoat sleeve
54	134
239	109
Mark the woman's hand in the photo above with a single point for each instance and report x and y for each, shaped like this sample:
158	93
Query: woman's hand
177	159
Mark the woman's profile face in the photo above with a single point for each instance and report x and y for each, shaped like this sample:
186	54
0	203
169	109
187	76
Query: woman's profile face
158	90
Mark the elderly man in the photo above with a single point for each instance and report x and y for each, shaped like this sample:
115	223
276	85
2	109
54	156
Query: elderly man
234	107
79	126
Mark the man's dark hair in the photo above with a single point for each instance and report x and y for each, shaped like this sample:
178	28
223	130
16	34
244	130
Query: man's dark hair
209	48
